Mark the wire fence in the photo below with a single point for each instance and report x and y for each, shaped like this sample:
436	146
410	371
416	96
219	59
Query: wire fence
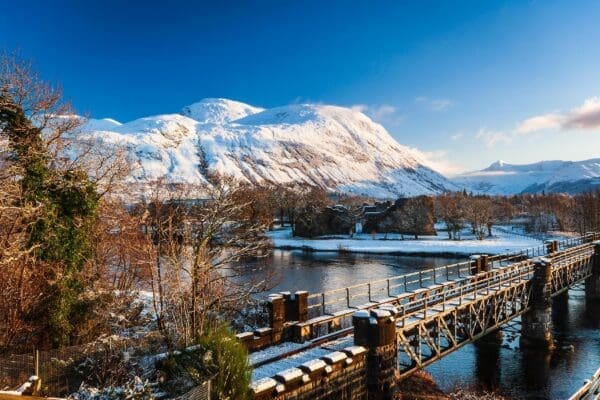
62	371
200	392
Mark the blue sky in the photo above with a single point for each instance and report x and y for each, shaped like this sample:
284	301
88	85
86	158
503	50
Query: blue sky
465	82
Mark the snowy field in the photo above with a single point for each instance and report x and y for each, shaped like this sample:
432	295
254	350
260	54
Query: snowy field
500	242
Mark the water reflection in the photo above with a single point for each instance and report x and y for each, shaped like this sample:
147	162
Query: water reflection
487	364
321	271
536	369
524	374
592	317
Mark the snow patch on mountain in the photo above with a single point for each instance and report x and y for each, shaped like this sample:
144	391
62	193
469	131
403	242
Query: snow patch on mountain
334	147
219	111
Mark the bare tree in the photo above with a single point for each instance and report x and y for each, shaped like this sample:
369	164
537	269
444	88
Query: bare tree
200	237
479	213
415	216
450	208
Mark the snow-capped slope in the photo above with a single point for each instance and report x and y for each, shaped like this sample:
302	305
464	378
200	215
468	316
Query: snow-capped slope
219	111
102	124
548	176
333	147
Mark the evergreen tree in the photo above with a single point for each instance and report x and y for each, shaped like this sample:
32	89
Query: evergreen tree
69	202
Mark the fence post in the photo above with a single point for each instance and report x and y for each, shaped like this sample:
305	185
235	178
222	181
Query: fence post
348	297
276	316
475	264
302	305
485	262
295	306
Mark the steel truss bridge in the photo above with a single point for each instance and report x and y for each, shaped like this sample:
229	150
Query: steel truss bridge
447	316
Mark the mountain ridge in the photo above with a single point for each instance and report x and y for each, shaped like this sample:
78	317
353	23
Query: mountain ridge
337	148
543	176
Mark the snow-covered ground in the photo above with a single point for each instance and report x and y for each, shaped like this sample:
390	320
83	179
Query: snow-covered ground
440	244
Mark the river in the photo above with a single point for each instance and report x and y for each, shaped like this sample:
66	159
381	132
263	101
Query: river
496	364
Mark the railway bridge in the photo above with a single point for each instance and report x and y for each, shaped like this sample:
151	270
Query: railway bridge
356	342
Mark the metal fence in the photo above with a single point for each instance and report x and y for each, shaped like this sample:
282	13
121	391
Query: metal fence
200	392
59	369
62	371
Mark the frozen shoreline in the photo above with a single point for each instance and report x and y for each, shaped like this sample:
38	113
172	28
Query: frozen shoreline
427	245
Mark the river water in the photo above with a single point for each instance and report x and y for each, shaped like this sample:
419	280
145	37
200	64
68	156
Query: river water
497	363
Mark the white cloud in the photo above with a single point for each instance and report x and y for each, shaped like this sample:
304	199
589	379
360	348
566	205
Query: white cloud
436	105
441	104
539	122
492	138
457	136
584	117
382	113
359	107
438	161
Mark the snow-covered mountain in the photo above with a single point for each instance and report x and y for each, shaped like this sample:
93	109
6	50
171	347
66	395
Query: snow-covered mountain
334	147
548	176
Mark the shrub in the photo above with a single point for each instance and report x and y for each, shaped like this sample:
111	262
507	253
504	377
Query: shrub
218	356
229	359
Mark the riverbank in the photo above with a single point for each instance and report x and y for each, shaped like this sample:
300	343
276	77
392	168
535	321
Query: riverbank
394	244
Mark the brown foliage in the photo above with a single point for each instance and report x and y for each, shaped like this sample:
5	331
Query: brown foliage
26	282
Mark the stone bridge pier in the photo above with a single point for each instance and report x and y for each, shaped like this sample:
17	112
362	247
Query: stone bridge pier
536	323
376	330
592	284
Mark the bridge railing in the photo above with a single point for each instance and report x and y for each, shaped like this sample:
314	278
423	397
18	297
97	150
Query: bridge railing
375	291
482	283
566	255
590	389
463	291
360	295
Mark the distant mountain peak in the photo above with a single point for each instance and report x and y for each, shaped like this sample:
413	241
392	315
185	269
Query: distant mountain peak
495	166
542	176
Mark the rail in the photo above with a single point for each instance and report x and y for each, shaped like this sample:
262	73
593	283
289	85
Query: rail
590	389
463	291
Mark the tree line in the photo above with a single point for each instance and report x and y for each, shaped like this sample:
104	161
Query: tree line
311	211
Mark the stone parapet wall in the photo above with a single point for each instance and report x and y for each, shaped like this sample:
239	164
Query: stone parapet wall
337	375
